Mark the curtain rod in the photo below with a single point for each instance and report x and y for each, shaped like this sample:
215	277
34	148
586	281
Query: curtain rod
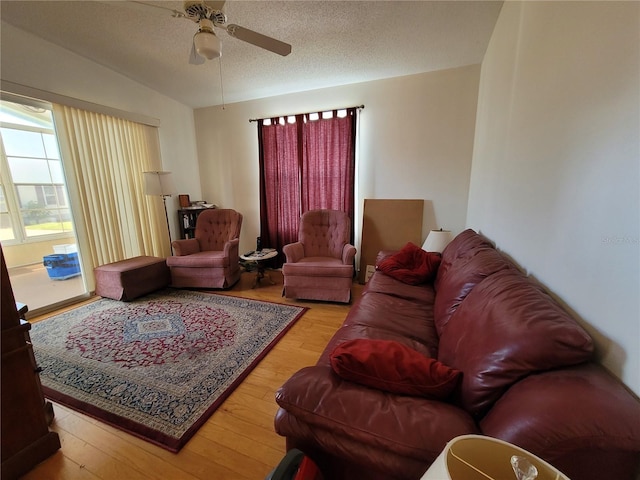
359	107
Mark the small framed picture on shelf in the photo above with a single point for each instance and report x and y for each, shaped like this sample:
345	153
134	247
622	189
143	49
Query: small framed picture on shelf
184	201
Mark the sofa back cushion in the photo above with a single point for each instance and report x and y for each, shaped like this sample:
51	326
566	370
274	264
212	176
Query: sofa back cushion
461	246
507	328
467	260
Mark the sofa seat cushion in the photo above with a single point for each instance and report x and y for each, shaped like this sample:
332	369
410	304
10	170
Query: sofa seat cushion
388	317
355	332
393	367
381	283
352	459
507	328
321	399
206	259
318	267
411	265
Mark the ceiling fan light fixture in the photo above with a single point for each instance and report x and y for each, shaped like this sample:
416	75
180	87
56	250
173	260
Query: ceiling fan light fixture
207	44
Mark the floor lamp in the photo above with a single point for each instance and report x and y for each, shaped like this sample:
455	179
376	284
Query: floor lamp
160	183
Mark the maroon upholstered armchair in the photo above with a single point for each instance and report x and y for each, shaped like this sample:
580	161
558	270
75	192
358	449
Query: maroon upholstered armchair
319	266
210	260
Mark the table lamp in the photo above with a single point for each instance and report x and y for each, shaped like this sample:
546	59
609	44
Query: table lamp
437	240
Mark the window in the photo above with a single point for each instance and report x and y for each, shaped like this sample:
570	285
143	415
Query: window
34	202
6	229
105	156
307	162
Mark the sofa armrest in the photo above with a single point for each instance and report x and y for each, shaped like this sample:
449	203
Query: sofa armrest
185	246
571	417
293	252
231	251
413	426
348	254
384	254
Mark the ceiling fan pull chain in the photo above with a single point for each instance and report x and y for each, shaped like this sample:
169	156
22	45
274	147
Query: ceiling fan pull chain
221	84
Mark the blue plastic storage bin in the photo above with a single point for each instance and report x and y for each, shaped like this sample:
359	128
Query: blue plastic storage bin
61	266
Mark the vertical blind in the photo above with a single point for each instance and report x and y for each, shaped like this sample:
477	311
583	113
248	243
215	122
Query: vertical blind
104	158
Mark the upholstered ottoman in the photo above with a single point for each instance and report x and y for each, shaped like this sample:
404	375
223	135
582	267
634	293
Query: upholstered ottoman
131	278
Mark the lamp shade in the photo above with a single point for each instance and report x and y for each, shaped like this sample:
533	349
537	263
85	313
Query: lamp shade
437	240
207	44
158	183
476	457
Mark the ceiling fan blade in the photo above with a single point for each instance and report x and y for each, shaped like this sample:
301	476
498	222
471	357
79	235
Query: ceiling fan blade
259	40
215	5
194	58
134	3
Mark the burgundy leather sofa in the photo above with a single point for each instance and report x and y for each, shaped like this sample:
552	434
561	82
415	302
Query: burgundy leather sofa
528	377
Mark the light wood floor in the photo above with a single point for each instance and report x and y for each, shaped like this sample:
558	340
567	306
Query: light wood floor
238	442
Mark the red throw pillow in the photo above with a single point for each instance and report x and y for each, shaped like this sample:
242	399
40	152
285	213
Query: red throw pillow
393	367
411	265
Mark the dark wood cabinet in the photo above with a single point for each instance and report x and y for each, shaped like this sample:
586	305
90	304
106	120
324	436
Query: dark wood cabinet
25	415
187	219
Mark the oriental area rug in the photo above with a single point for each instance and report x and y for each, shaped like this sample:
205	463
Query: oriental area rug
159	366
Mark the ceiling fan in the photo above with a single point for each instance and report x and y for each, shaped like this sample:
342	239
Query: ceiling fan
209	16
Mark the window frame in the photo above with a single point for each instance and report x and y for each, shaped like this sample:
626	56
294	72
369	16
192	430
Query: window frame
14	210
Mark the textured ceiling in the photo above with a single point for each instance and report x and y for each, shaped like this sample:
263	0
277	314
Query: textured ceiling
334	42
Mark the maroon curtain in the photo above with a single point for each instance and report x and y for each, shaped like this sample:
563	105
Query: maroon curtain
328	167
306	165
279	183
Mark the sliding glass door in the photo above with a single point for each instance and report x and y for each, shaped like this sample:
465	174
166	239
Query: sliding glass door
36	224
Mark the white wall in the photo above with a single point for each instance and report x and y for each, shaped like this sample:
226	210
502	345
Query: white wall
556	165
36	63
415	142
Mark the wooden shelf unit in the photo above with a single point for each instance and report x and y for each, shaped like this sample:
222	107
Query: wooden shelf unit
187	220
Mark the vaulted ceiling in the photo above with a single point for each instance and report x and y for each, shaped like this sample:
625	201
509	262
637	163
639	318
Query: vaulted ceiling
333	42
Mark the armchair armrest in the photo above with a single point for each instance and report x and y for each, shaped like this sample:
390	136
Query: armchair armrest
231	250
348	254
293	252
185	246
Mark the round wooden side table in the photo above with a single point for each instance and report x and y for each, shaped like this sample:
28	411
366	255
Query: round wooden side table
259	258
